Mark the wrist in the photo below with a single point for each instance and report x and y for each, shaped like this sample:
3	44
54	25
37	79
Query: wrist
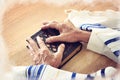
83	35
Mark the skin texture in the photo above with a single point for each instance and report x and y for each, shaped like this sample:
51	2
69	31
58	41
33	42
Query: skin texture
68	33
42	55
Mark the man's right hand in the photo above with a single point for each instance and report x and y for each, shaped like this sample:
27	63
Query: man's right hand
67	33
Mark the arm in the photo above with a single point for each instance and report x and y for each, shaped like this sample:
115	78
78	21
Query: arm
103	40
106	42
46	72
97	39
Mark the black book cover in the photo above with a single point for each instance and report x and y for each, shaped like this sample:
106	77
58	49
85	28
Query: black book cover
71	49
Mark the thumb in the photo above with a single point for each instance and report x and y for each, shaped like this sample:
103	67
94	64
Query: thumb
59	53
54	39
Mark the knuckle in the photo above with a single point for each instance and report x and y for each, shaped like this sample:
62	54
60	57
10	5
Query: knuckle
54	21
45	51
32	42
63	25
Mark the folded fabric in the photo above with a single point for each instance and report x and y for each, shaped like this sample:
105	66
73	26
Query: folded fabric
89	27
46	72
108	18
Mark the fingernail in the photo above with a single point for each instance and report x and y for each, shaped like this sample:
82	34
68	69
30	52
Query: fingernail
27	47
27	41
63	45
31	54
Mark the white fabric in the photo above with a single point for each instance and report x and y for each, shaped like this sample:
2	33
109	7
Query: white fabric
96	43
107	18
18	73
51	73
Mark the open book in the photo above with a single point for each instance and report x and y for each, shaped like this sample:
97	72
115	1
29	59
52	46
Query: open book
71	49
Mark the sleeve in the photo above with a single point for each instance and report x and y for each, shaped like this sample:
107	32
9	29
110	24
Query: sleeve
106	42
46	72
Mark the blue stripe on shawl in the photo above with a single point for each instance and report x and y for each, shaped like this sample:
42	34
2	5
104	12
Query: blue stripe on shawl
73	76
112	40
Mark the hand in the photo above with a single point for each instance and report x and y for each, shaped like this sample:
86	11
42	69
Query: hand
67	33
43	55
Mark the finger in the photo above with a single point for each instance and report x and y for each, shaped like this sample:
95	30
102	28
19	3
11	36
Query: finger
60	51
41	43
30	51
68	11
32	44
53	25
44	23
36	59
54	39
